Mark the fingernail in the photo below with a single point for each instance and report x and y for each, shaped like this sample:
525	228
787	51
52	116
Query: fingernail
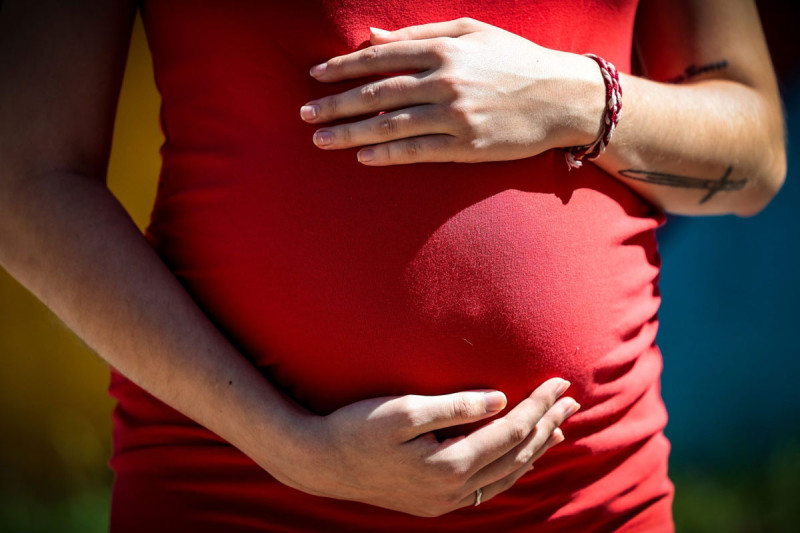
495	401
321	138
365	156
573	408
316	70
309	112
562	387
379	32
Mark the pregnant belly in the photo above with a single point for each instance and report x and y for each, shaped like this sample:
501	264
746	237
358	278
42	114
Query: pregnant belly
364	285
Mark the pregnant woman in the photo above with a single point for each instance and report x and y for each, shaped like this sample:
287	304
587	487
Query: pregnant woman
333	323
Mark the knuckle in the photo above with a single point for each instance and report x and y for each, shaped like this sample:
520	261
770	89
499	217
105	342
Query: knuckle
518	431
444	469
463	408
453	498
371	54
452	472
552	439
523	457
391	152
344	134
331	104
413	32
501	486
334	65
549	421
462	115
412	149
538	405
370	94
467	24
556	419
507	483
451	85
387	126
459	472
407	412
442	48
464	23
403	404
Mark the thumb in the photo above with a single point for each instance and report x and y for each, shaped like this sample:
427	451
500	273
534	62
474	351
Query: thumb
429	413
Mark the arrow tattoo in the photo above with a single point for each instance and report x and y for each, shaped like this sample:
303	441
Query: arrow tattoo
687	182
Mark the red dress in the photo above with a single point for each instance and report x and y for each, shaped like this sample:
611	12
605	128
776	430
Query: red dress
343	282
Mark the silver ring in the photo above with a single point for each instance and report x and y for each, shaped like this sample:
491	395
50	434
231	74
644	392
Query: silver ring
478	497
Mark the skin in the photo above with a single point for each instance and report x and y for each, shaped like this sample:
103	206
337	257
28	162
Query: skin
479	93
489	95
65	237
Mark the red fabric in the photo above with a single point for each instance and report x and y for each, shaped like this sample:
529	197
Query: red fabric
343	282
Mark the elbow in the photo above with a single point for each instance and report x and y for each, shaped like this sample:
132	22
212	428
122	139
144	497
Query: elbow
771	175
769	184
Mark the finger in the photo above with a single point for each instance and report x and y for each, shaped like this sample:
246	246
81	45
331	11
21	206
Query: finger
411	122
450	28
556	437
379	59
493	489
494	440
524	454
425	149
416	415
382	95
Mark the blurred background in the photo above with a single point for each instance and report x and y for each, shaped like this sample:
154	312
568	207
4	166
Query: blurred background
730	290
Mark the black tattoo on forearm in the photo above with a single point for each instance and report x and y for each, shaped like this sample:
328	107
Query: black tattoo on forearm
693	71
687	182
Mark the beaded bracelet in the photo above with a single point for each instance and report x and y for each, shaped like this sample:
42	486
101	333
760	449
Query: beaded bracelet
577	154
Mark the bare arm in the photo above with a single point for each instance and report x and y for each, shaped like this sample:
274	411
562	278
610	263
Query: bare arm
66	238
710	144
711	139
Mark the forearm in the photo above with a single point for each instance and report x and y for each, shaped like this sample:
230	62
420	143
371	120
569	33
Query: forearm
65	237
710	147
711	140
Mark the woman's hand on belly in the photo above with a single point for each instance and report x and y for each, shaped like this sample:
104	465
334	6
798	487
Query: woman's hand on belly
473	92
383	451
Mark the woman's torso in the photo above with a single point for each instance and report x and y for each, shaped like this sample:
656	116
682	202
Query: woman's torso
343	282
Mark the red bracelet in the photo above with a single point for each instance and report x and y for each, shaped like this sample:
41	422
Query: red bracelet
577	154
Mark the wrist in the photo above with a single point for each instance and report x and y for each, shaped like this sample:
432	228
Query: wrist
293	452
584	101
271	429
